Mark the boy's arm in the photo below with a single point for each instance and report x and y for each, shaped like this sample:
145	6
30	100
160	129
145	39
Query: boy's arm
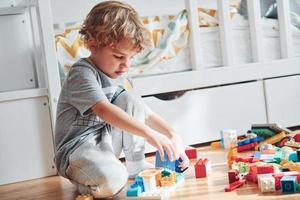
157	123
116	117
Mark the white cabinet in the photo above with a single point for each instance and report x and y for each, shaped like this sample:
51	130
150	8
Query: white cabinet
282	95
199	115
29	87
26	147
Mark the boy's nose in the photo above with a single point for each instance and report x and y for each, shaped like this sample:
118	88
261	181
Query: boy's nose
126	63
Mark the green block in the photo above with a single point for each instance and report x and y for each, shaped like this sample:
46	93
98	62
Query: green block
263	132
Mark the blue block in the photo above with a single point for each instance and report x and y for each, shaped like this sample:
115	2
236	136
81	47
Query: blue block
139	181
171	165
293	157
257	155
289	184
256	139
243	142
134	190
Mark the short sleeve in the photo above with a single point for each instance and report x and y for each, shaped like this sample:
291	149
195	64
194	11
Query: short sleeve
83	89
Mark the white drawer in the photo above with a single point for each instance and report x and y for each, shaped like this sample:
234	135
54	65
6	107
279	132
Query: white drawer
283	96
199	115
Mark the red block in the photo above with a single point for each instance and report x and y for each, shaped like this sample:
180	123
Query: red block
191	153
297	137
233	175
244	159
252	175
246	147
200	168
265	169
234	185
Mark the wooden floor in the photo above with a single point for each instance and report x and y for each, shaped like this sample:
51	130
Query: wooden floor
57	188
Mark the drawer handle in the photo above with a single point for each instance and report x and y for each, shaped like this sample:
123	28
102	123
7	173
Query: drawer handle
169	96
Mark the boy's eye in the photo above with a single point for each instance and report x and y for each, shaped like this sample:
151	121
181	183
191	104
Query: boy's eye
118	57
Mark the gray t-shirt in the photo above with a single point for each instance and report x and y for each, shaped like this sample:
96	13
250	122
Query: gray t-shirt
84	86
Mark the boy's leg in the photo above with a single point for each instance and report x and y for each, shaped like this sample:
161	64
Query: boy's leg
94	169
132	145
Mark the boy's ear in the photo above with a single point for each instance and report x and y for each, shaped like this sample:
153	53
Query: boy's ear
92	45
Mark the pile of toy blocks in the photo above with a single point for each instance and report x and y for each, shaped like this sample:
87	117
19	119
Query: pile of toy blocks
275	165
158	182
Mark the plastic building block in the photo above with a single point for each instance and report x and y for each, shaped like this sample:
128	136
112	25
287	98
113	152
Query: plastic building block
191	152
134	190
200	168
216	145
234	185
84	197
293	157
266	183
228	138
149	179
246	147
233	175
289	184
166	163
256	139
265	169
159	192
243	142
267	130
139	181
297	137
252	175
291	166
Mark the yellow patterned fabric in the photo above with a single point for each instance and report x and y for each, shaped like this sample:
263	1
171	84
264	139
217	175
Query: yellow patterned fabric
70	47
169	36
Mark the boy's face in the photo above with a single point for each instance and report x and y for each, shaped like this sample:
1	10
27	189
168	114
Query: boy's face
114	61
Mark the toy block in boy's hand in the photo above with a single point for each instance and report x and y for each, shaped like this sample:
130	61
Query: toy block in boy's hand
201	168
166	163
191	152
234	185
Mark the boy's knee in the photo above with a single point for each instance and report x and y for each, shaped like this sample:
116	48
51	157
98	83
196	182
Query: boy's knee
115	181
130	103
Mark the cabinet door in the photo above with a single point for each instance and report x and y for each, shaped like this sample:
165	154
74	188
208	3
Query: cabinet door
199	115
16	53
26	143
283	96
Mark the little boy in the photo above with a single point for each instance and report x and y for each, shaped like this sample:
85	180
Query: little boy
97	118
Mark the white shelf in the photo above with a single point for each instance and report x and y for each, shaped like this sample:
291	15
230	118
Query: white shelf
23	94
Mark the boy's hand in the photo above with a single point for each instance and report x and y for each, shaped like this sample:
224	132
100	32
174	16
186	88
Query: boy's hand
161	142
178	144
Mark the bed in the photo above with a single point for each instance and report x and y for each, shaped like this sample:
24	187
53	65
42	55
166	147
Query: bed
175	57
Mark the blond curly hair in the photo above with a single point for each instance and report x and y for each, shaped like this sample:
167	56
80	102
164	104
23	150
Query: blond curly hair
111	22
